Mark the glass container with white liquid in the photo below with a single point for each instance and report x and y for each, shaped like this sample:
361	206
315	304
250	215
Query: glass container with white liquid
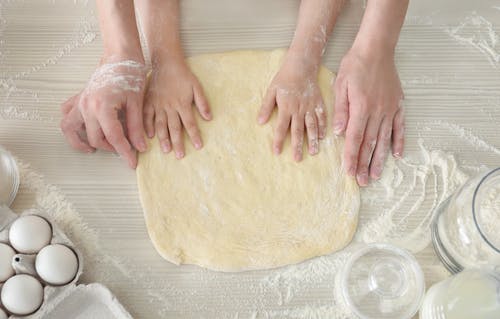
466	227
473	293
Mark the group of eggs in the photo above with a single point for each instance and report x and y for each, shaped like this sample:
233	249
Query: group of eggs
55	265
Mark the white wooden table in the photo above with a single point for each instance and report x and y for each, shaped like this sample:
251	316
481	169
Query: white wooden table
48	49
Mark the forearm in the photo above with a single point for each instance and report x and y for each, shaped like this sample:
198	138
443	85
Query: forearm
119	30
160	21
381	25
314	26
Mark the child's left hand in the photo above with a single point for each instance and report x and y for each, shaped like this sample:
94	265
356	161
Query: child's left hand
295	91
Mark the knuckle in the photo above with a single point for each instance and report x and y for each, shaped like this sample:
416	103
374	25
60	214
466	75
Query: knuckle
297	131
160	122
64	124
385	135
356	137
190	126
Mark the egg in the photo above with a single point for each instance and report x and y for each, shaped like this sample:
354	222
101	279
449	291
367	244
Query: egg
56	264
28	234
6	255
22	295
3	315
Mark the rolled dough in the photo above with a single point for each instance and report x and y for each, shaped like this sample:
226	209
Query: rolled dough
233	205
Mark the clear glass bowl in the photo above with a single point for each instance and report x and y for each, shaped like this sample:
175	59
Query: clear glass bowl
9	178
382	281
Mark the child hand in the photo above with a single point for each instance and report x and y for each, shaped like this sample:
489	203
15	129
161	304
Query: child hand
368	109
168	106
295	91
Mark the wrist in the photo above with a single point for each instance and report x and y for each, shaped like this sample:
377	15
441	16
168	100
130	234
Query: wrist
373	47
301	60
117	54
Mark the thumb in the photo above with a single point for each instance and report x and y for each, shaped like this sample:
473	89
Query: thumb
267	107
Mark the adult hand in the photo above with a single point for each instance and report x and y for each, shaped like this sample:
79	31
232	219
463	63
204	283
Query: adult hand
168	106
295	91
368	109
113	94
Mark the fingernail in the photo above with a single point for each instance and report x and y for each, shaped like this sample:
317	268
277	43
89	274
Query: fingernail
179	154
377	171
397	155
277	150
142	145
260	120
362	179
208	115
298	156
337	128
132	163
165	147
351	171
197	145
150	134
314	147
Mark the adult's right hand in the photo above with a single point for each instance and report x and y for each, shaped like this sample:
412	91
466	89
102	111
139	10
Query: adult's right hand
114	92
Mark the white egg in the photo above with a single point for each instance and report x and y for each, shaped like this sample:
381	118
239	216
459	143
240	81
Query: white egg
28	234
3	315
22	295
56	264
6	255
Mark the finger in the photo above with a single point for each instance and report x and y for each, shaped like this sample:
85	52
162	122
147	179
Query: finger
162	131
354	137
280	132
321	117
398	133
297	131
149	118
68	105
268	104
383	144
341	108
312	133
191	127
135	124
96	136
70	126
113	131
366	150
201	102
175	130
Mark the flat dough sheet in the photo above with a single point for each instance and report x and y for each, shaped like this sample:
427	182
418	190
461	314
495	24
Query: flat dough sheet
233	205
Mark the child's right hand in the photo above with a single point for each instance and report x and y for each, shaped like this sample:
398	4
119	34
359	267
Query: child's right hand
168	106
368	110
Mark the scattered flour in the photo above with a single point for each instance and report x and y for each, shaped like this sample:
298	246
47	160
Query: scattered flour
467	136
477	31
407	194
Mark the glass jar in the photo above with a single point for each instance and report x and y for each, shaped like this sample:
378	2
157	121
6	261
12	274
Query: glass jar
466	226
